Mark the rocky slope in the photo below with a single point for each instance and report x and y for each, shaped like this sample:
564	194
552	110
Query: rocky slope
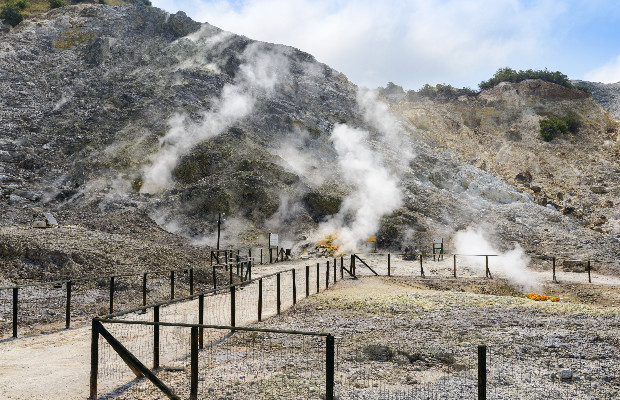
607	95
131	115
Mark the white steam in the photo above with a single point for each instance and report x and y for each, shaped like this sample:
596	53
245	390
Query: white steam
373	167
375	190
511	265
261	71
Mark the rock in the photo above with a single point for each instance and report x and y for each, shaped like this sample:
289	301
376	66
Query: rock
524	177
182	25
535	188
97	52
598	189
568	210
566	374
15	199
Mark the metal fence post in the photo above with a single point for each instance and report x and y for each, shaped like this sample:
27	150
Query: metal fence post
191	281
201	319
454	256
278	303
15	300
318	277
144	289
421	267
294	288
482	372
260	299
232	306
111	294
193	390
155	338
94	359
68	307
327	276
329	367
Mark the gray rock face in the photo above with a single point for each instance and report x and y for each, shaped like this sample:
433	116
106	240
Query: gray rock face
607	95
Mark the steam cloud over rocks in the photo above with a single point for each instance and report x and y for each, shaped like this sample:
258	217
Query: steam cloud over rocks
262	69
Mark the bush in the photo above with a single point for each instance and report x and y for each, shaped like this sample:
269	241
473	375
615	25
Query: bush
554	125
11	12
442	92
510	75
56	3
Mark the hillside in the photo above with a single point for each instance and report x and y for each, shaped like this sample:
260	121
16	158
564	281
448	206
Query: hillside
115	117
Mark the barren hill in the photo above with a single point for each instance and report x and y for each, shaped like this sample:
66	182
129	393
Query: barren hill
115	117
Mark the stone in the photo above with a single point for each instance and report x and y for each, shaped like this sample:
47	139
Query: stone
98	51
566	374
598	189
524	177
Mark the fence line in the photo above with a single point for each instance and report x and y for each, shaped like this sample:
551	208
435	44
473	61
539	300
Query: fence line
61	301
227	310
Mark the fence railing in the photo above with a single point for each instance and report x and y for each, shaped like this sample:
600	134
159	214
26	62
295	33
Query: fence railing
156	336
56	304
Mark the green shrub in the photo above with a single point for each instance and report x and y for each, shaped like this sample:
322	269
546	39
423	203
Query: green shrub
11	12
442	92
56	3
553	125
510	75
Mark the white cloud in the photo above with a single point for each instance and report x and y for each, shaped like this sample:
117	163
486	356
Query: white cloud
607	73
412	43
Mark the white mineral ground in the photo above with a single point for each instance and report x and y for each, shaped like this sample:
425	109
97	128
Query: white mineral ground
57	365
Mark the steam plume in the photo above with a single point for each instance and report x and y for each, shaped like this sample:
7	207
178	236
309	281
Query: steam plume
261	71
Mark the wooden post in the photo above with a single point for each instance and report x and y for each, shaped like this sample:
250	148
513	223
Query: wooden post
341	267
232	306
294	288
260	299
193	389
389	270
352	266
454	265
261	256
329	367
335	275
230	275
155	338
482	372
270	255
421	267
214	277
68	306
488	271
318	277
111	294
554	278
589	276
94	359
278	303
201	318
307	280
144	289
191	281
171	285
15	301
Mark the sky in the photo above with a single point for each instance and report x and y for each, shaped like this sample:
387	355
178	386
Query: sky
415	42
